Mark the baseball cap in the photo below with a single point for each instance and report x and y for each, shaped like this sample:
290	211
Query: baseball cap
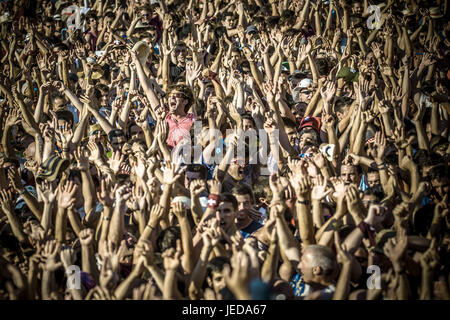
348	74
251	29
305	83
313	122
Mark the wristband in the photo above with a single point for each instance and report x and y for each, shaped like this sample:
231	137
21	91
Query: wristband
213	201
106	218
306	202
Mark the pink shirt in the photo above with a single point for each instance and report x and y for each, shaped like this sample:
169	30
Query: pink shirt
179	129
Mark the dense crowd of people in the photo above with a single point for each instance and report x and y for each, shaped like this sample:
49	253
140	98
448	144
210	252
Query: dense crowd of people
122	122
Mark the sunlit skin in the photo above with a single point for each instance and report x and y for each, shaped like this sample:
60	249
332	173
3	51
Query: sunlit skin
177	104
247	125
312	275
292	135
308	139
217	282
349	174
236	169
227	215
373	179
242	215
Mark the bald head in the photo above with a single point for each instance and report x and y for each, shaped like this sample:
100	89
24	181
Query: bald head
320	256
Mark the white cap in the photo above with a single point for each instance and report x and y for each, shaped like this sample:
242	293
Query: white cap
305	83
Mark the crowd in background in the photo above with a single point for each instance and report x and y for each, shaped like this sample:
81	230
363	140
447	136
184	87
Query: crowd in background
102	196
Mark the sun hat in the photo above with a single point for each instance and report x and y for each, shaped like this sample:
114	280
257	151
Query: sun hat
51	168
143	51
435	13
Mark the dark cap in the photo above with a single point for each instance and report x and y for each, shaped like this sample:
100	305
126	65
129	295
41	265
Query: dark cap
252	29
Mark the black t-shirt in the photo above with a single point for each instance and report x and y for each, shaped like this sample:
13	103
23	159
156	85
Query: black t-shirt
175	71
251	228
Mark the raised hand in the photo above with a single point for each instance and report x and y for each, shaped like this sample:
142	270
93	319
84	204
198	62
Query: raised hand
117	158
47	191
156	214
376	49
94	152
328	91
430	258
171	175
237	279
396	251
107	191
179	209
319	190
123	193
197	186
14	178
67	256
82	160
86	237
276	186
172	257
50	254
354	203
343	255
6	201
379	146
66	197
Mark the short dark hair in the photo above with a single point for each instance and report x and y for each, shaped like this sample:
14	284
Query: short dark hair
228	197
243	189
439	172
248	116
289	123
376	191
65	115
187	92
115	133
216	264
228	14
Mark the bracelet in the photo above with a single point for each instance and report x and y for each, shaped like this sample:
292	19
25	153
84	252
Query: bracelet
106	218
306	202
213	201
65	149
381	165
